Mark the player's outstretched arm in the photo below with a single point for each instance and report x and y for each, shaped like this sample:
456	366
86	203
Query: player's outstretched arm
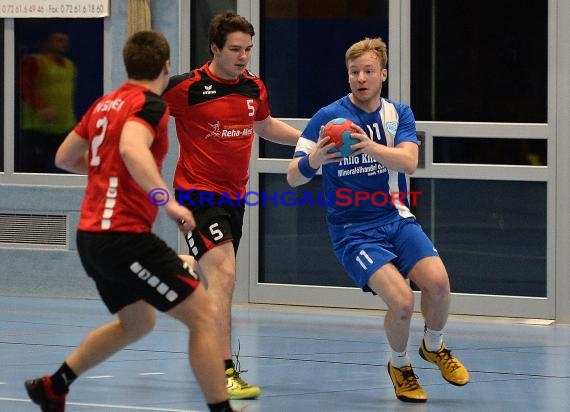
294	176
277	131
134	147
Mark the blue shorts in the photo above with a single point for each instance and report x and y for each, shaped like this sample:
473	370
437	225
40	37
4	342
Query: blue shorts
362	253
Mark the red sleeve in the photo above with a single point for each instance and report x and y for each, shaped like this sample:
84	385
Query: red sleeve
176	94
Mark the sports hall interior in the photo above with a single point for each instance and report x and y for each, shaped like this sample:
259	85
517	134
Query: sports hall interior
489	83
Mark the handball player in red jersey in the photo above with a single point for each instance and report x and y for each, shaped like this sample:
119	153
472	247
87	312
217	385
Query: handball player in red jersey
217	109
120	144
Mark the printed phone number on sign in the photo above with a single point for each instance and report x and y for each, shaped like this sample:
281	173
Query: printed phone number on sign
52	9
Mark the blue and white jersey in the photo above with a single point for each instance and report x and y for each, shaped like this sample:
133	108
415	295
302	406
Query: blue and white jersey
361	192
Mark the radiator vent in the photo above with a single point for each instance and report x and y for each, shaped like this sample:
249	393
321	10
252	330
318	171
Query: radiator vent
33	230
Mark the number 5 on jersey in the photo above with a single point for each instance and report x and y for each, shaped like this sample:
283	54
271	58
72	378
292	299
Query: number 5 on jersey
216	233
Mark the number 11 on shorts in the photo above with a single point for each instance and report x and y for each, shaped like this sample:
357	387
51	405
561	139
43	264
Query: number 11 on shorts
366	257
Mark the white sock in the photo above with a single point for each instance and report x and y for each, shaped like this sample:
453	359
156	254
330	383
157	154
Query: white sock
433	339
399	359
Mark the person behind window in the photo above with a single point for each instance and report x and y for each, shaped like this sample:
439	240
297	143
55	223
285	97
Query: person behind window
48	81
217	108
374	235
121	143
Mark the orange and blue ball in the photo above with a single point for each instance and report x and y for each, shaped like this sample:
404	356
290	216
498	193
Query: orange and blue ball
340	130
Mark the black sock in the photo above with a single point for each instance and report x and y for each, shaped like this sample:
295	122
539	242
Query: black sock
61	380
229	364
220	407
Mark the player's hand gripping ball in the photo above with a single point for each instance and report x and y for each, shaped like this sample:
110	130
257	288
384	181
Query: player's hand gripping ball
339	131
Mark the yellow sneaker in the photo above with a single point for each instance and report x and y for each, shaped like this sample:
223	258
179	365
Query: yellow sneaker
238	388
451	369
406	384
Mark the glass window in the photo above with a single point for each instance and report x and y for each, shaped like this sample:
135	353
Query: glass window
294	245
479	61
302	53
489	151
491	235
59	73
476	225
201	13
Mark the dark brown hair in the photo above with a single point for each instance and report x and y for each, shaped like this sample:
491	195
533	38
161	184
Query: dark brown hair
145	54
224	24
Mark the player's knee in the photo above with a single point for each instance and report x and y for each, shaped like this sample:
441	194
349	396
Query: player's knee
146	327
405	311
225	280
209	311
141	327
437	286
403	307
443	287
204	315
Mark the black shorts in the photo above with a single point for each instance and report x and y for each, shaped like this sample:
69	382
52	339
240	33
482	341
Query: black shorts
128	267
216	222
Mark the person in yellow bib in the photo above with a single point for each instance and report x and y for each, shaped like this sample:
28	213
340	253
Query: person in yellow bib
47	84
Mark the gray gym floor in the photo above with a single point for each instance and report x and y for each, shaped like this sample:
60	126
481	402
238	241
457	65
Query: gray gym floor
304	359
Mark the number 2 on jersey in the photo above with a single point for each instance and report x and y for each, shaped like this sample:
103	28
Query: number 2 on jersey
97	140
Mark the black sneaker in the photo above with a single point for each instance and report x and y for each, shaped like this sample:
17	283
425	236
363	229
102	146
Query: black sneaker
40	391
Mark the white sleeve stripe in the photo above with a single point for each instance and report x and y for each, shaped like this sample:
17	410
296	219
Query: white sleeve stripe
388	114
304	145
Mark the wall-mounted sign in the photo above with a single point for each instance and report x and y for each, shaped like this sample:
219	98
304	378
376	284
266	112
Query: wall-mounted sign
54	8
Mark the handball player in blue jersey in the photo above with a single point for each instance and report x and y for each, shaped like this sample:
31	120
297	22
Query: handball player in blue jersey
374	235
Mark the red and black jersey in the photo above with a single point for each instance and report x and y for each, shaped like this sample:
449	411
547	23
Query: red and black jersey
113	200
214	123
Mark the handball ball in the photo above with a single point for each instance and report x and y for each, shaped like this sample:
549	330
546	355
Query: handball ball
339	131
